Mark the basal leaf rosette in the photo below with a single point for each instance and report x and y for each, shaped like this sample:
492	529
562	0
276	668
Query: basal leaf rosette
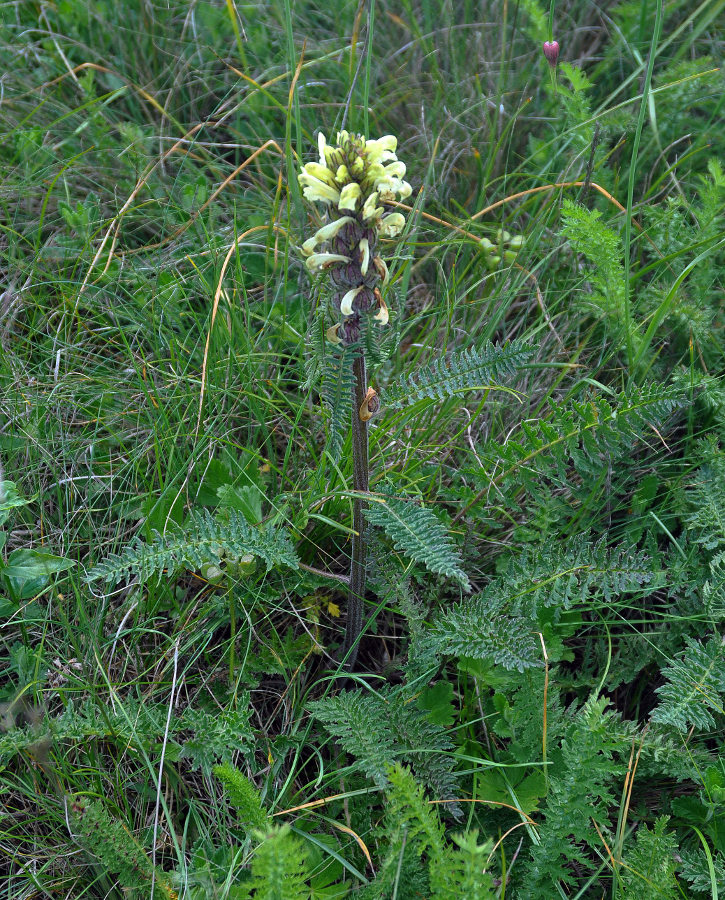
356	180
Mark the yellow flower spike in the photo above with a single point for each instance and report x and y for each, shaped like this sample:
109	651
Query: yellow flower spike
347	300
365	251
349	196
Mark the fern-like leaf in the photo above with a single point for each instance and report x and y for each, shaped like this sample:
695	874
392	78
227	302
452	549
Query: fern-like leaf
462	873
468	370
649	873
243	796
279	868
706	497
418	533
695	869
695	685
584	434
603	249
500	623
412	830
203	540
582	783
483	629
379	730
115	850
338	384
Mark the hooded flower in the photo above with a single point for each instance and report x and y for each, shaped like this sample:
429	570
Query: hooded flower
357	179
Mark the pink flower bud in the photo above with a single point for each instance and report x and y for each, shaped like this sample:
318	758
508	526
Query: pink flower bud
551	52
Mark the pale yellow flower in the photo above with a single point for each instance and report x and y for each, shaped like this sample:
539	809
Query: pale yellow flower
314	189
364	246
347	300
326	233
349	196
391	225
319	261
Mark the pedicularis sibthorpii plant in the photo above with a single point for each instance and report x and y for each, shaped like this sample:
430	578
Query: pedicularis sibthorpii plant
541	518
356	180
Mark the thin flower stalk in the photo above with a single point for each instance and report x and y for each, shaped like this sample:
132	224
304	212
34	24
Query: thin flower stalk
357	180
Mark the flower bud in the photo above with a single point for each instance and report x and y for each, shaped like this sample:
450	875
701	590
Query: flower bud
551	52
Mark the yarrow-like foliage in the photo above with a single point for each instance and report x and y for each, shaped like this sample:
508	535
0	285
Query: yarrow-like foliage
356	179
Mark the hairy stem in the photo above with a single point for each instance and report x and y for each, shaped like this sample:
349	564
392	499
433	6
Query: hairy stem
358	565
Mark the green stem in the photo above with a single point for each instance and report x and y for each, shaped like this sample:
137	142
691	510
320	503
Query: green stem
630	185
232	640
360	468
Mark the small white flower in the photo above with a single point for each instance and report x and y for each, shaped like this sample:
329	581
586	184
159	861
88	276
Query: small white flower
346	303
319	261
321	144
349	196
326	233
365	250
331	334
391	225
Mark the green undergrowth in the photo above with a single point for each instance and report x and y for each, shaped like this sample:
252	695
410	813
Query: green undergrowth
536	710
